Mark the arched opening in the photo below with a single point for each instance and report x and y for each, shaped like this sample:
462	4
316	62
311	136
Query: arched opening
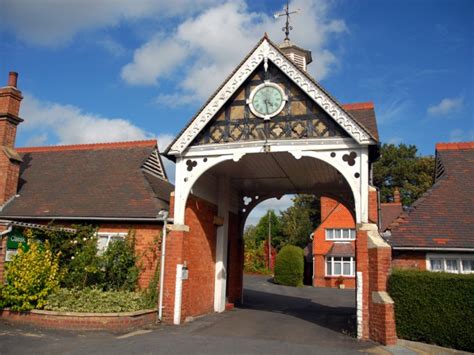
234	188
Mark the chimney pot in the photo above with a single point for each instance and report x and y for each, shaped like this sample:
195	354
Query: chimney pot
12	79
396	195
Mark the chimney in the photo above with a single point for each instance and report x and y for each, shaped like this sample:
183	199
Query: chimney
299	56
10	99
396	195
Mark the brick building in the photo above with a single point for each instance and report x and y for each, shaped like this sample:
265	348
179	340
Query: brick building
437	233
270	129
334	246
117	187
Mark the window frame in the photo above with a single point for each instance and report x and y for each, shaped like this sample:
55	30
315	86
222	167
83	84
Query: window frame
333	238
109	236
444	257
332	261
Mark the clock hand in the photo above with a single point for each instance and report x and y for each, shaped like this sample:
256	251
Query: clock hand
266	105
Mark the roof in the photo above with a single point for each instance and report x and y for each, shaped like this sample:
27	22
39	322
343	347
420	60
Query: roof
389	212
106	180
364	113
444	216
304	73
341	249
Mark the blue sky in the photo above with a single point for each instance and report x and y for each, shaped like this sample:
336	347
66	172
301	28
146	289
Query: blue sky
120	70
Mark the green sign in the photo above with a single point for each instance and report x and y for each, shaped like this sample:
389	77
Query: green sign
15	238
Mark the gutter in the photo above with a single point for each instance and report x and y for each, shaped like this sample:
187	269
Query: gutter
132	219
164	216
433	249
8	230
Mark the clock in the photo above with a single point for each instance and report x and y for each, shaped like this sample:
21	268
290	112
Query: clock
267	100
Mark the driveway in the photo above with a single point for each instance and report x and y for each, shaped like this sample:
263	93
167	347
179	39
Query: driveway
274	320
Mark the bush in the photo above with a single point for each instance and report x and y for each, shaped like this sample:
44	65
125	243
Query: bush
94	300
31	277
119	265
289	266
434	307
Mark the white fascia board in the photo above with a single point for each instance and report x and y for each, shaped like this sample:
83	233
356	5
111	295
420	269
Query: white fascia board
276	146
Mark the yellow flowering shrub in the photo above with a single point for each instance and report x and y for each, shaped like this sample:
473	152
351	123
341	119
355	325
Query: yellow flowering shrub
31	277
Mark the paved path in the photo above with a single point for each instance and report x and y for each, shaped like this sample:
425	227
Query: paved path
275	320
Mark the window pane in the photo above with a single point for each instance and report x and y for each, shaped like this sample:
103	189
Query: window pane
115	238
328	267
102	243
451	265
436	264
353	233
347	269
337	268
468	265
329	233
345	233
337	234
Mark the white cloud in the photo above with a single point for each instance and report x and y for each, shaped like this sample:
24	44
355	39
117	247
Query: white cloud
446	106
395	140
112	46
70	125
215	41
271	204
392	111
55	22
174	100
460	135
155	59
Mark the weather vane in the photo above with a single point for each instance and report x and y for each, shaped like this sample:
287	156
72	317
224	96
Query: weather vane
287	13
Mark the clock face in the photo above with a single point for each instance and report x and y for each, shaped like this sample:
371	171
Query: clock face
267	100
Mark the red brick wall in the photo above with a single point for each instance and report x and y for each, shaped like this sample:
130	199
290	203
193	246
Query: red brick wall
10	99
333	215
199	254
235	260
381	316
409	260
3	249
147	246
45	319
373	206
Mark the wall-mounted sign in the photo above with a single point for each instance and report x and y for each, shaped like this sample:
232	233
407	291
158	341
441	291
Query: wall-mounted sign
14	240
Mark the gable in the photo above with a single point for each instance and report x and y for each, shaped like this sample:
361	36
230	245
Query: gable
300	118
266	52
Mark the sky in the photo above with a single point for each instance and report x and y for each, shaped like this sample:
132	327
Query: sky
111	70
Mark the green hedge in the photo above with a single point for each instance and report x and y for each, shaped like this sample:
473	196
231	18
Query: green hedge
289	266
93	300
435	308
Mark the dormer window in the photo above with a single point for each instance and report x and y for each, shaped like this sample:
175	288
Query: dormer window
340	234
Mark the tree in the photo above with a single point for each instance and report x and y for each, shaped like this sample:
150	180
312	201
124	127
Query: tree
261	229
296	225
312	204
400	166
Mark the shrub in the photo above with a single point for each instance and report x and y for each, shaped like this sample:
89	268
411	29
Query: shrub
30	277
94	300
289	266
434	307
119	265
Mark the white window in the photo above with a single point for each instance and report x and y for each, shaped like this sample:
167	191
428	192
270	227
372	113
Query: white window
454	263
340	266
104	239
340	234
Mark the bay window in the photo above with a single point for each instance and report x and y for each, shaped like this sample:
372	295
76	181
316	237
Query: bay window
340	266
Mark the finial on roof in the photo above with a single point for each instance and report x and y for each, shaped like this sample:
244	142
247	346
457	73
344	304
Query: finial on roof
286	13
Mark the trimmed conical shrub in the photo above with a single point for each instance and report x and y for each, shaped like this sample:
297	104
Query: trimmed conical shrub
289	266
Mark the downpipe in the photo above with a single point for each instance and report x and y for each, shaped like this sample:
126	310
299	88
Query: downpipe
164	214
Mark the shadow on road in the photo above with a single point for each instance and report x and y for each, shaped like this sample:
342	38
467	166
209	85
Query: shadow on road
338	318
